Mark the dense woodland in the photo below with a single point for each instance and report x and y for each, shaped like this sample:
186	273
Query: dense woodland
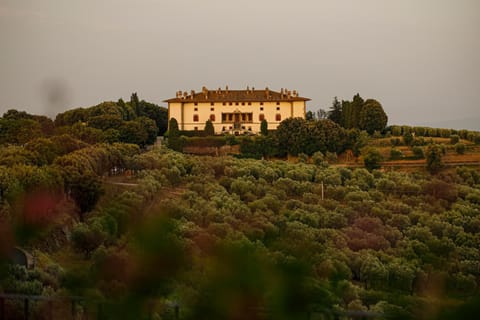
143	229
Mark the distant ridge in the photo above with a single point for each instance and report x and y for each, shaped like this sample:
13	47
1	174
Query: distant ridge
471	123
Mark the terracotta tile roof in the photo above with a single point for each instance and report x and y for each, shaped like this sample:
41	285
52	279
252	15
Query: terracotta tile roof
227	95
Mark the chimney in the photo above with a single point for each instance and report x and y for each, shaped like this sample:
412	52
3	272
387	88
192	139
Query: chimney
295	93
192	94
185	94
248	89
267	92
289	94
226	89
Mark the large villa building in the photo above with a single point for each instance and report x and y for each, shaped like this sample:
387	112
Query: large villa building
235	111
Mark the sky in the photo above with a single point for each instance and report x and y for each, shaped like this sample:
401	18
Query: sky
419	58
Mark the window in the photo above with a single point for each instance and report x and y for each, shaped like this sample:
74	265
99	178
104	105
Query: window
196	128
278	103
224	117
261	108
278	117
211	109
195	109
278	108
249	128
243	103
236	103
261	103
249	103
195	118
212	117
224	103
230	103
196	103
223	128
230	127
212	104
261	117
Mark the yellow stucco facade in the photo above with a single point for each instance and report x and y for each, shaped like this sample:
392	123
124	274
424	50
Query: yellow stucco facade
235	111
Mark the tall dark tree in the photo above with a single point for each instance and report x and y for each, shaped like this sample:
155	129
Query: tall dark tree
264	127
135	104
373	117
335	112
351	112
209	129
434	158
310	115
173	130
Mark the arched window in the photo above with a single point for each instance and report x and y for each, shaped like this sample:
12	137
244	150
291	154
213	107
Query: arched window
261	117
212	117
195	118
278	117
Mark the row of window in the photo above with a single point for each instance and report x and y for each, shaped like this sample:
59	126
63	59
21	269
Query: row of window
244	117
236	103
213	109
229	128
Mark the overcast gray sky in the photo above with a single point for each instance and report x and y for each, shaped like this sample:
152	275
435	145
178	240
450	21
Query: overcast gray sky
419	58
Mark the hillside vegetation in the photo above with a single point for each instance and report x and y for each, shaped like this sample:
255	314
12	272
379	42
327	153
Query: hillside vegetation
147	231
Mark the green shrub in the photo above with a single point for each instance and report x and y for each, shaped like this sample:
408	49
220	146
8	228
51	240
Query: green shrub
372	159
395	142
454	139
419	142
418	152
318	158
395	154
460	148
331	157
445	133
176	143
302	157
212	141
420	131
231	140
432	132
396	131
476	139
408	138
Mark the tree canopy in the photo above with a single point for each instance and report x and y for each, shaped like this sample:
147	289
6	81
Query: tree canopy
360	114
